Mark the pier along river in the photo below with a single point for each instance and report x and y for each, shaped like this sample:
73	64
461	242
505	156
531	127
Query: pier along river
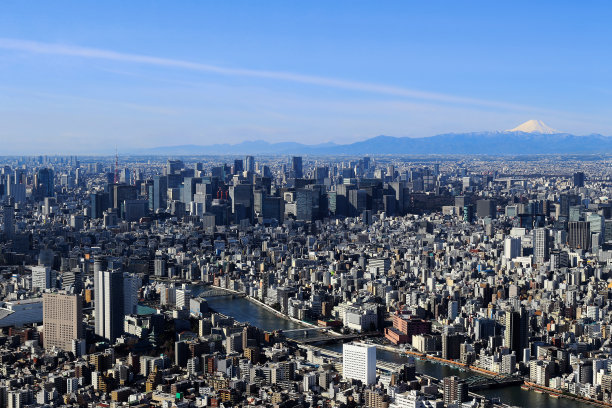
243	310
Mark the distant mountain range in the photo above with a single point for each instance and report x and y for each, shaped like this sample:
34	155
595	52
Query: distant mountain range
531	137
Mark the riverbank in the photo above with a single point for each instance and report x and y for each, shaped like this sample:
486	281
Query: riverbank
555	393
527	385
272	310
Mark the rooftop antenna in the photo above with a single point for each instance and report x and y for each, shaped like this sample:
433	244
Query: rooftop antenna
116	166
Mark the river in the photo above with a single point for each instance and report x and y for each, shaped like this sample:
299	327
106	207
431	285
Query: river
245	311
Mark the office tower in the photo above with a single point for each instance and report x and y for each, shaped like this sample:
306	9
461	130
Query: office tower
396	188
357	202
320	174
579	179
541	245
43	277
596	226
455	390
296	166
125	176
122	192
45	183
109	312
99	204
565	202
485	208
181	353
160	192
468	213
159	267
174	166
575	213
461	201
249	164
451	346
189	188
131	285
516	335
303	204
8	221
342	199
72	281
241	196
579	235
238	166
512	247
62	320
359	362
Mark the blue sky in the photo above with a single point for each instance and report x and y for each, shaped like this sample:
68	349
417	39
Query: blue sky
82	77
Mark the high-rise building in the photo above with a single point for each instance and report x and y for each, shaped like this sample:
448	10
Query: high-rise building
62	320
596	226
485	208
174	166
109	310
43	277
579	179
249	164
99	204
238	166
72	281
160	192
541	245
45	183
359	362
242	201
8	218
512	247
131	286
579	235
455	390
516	335
296	166
451	346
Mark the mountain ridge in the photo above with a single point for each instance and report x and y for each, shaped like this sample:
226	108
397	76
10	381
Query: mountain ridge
496	142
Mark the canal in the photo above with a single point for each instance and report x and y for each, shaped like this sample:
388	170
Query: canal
244	311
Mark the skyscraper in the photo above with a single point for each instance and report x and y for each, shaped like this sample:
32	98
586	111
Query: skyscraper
45	183
485	208
109	309
579	179
99	204
579	235
131	286
296	166
160	192
512	247
541	245
359	362
516	335
249	164
62	320
8	218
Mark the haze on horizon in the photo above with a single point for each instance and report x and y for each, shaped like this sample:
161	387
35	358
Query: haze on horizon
83	78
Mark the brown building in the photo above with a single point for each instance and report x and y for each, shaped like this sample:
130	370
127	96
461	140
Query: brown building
62	320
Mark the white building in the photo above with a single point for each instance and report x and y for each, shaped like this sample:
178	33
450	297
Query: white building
512	248
43	277
359	362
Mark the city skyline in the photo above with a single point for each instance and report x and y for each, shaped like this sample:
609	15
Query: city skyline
84	78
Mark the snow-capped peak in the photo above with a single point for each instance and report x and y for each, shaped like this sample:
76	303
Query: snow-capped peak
534	126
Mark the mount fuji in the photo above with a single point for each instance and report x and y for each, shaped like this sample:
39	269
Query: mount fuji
534	126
